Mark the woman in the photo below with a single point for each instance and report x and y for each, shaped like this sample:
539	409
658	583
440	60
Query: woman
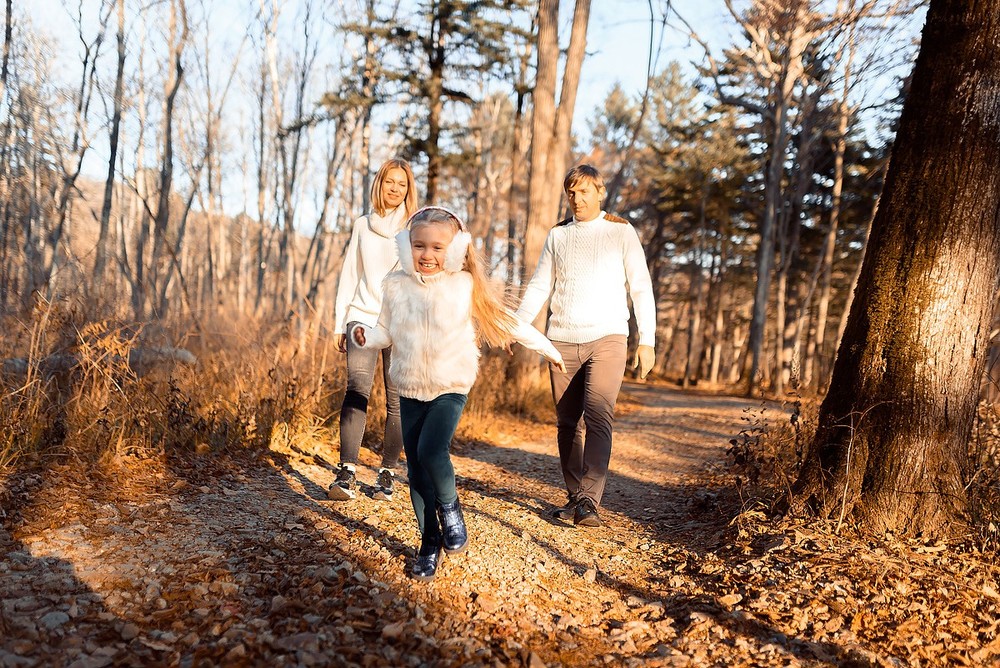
370	255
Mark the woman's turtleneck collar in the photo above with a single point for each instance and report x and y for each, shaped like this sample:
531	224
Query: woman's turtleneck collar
388	225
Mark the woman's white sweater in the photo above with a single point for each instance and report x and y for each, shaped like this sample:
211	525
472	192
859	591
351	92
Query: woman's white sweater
428	322
371	254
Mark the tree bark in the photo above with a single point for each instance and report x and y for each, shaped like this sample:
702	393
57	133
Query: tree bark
890	447
550	129
814	349
550	125
101	255
7	35
176	73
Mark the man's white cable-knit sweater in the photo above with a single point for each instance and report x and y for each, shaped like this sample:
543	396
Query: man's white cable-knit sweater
428	322
586	269
371	254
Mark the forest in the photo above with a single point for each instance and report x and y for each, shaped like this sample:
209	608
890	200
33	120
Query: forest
809	476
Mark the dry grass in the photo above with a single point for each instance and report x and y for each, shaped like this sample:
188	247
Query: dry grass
984	479
70	390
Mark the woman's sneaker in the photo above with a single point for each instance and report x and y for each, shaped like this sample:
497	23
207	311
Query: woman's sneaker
344	487
384	484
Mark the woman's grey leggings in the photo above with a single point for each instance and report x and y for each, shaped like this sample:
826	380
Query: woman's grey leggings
354	411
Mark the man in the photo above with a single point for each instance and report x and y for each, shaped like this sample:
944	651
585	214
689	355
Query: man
589	265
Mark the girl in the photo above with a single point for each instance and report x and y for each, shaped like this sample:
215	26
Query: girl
435	311
370	255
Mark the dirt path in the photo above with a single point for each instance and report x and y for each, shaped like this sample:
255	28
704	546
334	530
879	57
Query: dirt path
253	566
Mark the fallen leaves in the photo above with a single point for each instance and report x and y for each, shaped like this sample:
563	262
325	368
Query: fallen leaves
251	565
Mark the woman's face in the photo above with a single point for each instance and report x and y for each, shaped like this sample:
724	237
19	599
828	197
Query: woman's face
394	188
428	243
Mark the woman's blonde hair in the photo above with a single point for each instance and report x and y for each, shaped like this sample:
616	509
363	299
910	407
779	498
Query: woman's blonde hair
409	202
491	314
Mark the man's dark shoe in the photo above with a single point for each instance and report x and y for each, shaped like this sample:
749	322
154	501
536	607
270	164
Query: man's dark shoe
564	513
384	484
425	567
586	513
344	487
456	537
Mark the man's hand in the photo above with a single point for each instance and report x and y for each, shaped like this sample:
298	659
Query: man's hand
342	343
644	360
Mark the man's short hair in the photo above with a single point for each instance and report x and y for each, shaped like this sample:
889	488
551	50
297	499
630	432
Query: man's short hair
583	173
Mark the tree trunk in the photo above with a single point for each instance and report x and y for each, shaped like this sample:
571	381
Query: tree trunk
101	255
550	125
719	330
695	342
176	73
817	341
516	168
435	94
262	186
550	129
890	447
783	90
7	35
368	95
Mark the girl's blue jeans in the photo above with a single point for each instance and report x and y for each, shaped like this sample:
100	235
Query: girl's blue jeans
428	427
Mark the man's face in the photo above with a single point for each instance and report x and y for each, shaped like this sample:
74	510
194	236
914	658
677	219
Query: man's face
585	199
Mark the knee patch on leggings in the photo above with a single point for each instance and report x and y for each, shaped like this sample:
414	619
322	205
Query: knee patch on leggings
354	399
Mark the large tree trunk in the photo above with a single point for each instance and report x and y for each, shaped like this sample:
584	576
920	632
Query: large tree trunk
550	130
890	447
550	125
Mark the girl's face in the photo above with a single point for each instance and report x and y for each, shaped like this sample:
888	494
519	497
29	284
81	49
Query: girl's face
394	188
428	243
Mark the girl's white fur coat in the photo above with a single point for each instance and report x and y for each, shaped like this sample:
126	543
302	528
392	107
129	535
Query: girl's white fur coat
428	322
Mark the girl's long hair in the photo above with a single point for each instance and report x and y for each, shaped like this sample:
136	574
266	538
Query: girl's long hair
492	316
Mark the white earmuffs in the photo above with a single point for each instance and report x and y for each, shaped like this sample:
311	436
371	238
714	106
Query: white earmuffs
404	252
454	257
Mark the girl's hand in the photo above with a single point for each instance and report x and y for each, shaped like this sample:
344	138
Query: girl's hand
359	336
342	343
559	364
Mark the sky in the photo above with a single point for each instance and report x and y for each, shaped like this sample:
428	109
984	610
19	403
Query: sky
618	47
619	40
